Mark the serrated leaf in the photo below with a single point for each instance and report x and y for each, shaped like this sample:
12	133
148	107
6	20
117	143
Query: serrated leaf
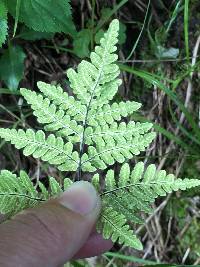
63	101
67	183
117	150
12	66
96	182
45	15
18	193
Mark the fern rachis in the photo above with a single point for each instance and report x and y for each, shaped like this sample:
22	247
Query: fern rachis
87	134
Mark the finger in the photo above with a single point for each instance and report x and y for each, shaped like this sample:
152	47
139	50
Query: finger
52	233
95	245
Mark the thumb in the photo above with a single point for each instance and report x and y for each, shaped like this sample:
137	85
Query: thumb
51	233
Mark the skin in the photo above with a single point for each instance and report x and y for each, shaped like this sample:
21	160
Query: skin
54	232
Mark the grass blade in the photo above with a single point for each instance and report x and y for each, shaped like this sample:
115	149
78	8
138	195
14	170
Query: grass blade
139	36
173	96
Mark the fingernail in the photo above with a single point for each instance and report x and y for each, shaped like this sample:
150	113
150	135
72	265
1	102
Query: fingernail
80	197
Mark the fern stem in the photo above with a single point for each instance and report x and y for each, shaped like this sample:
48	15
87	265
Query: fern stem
82	143
130	185
23	195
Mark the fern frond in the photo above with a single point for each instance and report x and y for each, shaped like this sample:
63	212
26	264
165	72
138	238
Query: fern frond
125	198
113	225
51	149
54	120
93	127
136	190
90	120
98	78
109	151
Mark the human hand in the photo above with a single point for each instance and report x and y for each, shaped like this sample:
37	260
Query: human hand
51	234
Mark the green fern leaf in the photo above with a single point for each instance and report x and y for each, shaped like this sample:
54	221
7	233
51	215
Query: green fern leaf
95	138
115	132
44	192
110	113
124	175
55	120
136	191
113	225
137	173
27	184
107	153
49	149
110	182
95	79
96	182
16	193
67	182
73	119
123	206
54	186
63	101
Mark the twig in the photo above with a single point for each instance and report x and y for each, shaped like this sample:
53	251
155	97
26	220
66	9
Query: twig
186	255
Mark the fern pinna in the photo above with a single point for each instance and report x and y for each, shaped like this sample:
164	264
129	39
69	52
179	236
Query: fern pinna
87	134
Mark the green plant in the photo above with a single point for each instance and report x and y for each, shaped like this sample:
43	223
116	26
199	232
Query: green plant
12	66
39	22
38	16
90	137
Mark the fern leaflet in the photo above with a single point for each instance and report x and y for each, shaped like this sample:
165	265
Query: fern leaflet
135	191
18	193
51	149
